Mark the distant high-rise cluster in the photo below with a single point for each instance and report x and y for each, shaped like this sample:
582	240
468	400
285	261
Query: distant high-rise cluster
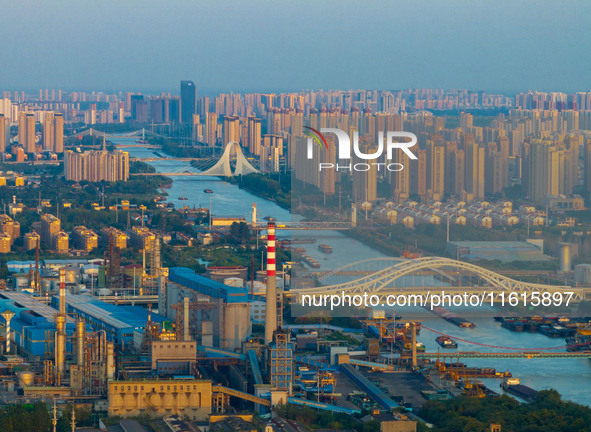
96	166
466	156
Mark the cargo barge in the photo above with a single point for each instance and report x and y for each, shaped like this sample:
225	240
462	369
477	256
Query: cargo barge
475	388
310	261
514	387
457	370
296	240
325	248
446	342
549	326
450	317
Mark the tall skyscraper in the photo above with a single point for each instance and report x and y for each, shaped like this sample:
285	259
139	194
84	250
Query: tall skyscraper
402	177
26	132
139	109
435	170
211	129
58	130
587	161
254	135
188	100
365	181
48	132
474	168
231	129
3	133
549	170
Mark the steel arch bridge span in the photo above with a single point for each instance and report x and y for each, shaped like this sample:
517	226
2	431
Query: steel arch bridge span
382	281
358	265
365	266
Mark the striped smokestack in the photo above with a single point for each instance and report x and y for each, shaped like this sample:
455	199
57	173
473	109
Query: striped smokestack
271	306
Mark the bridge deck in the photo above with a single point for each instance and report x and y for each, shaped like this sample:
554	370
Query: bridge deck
522	354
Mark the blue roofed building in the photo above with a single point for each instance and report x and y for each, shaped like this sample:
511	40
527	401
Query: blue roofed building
33	325
118	322
228	322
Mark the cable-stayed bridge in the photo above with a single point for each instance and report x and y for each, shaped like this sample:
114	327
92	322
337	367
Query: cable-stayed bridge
231	163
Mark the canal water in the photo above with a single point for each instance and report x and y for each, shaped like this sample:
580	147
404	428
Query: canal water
571	377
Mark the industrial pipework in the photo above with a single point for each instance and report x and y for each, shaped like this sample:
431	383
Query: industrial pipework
186	335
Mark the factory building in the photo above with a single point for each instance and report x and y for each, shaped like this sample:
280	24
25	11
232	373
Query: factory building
118	322
505	251
33	325
189	398
229	317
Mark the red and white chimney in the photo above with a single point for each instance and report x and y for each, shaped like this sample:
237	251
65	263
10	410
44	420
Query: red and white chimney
271	297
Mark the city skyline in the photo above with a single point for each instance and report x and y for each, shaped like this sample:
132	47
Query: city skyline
498	46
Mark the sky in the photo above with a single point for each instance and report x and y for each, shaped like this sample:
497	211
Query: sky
150	45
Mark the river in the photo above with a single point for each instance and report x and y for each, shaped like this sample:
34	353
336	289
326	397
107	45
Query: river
571	377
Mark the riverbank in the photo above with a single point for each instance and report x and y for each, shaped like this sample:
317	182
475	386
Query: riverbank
265	187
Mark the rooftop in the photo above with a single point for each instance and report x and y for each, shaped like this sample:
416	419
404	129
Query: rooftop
119	317
29	302
188	278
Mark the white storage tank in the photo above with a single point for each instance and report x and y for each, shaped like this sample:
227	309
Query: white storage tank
234	282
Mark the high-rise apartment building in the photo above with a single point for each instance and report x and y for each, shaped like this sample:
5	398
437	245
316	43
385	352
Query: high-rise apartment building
84	238
254	135
401	178
61	242
53	132
142	238
32	240
139	109
549	170
50	227
587	166
58	133
211	129
4	132
436	170
188	101
474	167
231	129
96	166
4	243
10	227
26	132
365	181
119	237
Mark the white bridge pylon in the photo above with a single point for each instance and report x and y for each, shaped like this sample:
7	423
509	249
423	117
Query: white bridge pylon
382	282
223	168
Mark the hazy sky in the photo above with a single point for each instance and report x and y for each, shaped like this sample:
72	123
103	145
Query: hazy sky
151	45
